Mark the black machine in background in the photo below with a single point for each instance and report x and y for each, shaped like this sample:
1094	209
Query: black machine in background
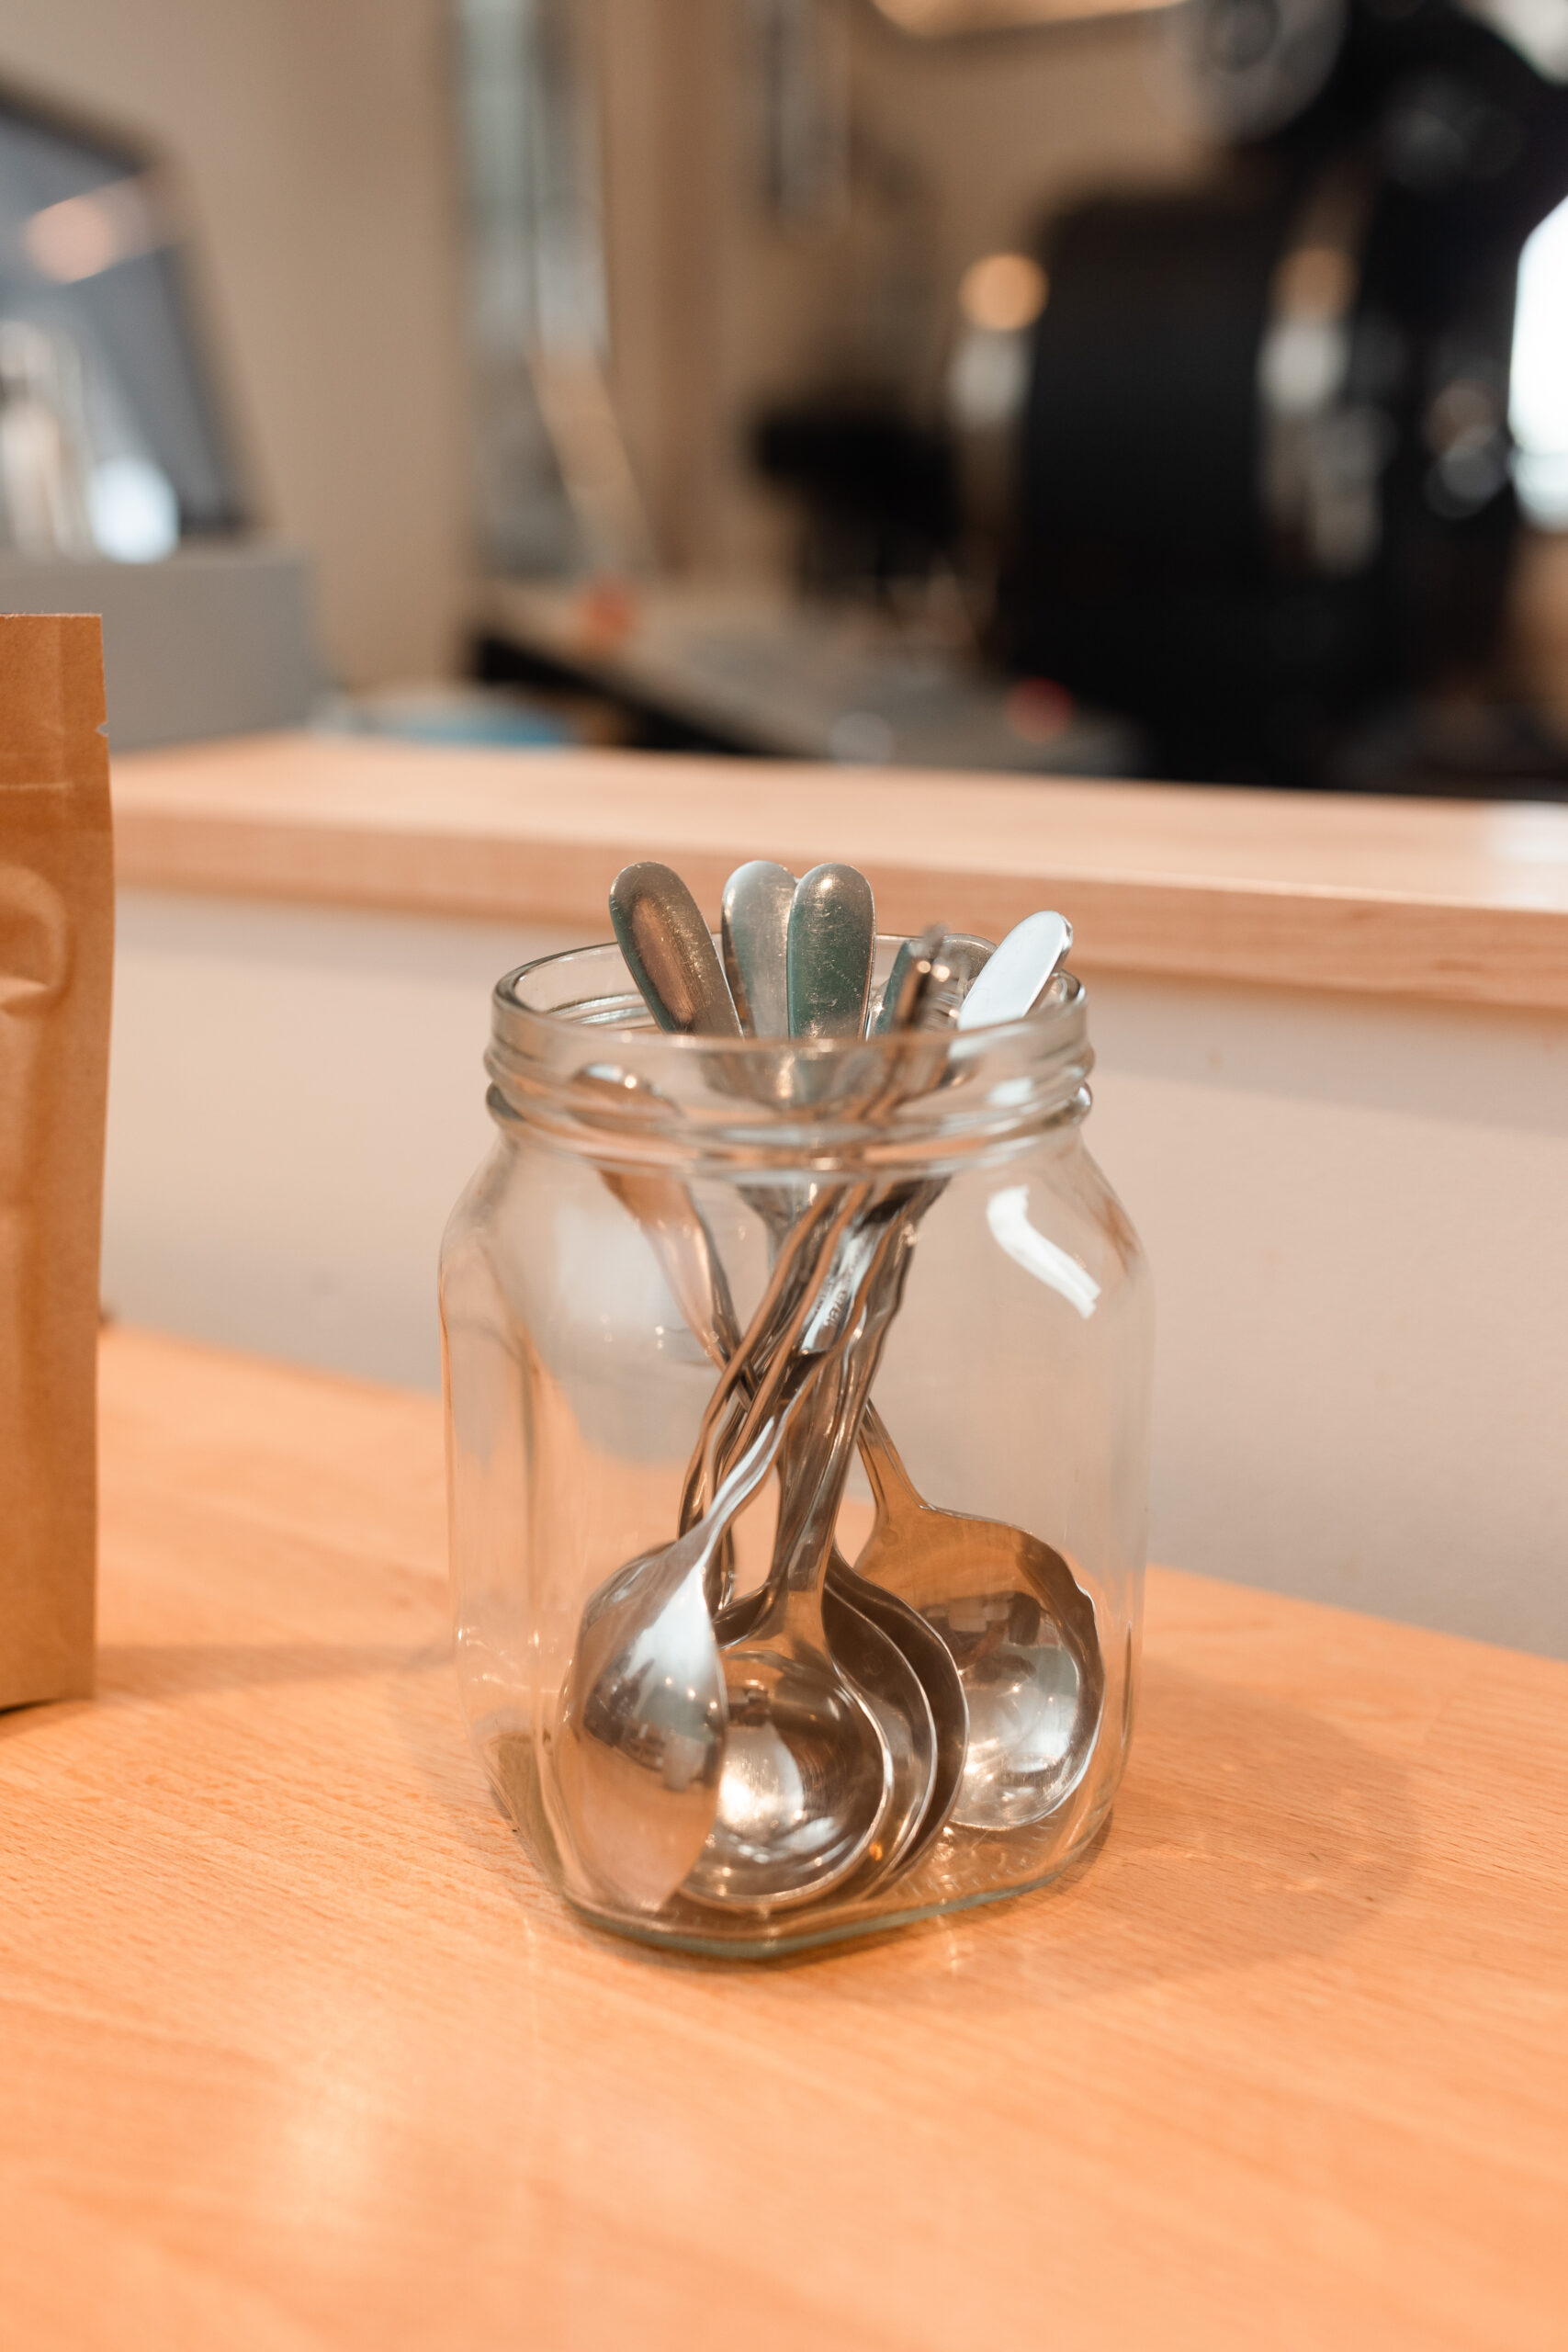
1263	499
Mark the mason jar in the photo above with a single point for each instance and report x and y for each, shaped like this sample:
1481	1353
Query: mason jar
798	1404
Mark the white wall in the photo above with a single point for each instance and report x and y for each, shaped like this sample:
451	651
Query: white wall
1354	1210
1356	1216
296	1100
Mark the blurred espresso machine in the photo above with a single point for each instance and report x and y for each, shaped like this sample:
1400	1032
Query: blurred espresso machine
1262	493
1218	482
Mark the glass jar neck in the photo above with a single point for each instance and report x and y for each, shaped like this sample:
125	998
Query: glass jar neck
575	1056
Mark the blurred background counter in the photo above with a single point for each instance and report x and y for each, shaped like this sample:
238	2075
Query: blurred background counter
1332	1040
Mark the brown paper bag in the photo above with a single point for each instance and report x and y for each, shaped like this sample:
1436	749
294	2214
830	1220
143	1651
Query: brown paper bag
56	950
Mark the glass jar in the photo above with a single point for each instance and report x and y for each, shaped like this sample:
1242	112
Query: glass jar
653	1205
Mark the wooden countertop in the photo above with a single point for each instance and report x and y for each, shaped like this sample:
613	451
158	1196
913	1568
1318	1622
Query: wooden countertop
1452	901
297	2053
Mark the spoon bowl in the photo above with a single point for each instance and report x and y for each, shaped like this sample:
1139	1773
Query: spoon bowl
903	1672
642	1737
806	1780
936	1674
1020	1631
640	1745
881	1671
829	945
755	929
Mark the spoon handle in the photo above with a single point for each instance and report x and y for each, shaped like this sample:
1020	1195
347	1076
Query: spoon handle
1014	978
803	1566
820	1462
755	934
753	1466
906	983
801	1376
670	952
831	945
746	1387
892	1489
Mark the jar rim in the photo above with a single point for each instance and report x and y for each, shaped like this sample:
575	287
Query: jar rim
757	1100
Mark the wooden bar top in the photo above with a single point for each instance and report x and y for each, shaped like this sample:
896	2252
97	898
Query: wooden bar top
297	2053
1446	900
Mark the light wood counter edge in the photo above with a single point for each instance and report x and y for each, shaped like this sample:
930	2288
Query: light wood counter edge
1307	902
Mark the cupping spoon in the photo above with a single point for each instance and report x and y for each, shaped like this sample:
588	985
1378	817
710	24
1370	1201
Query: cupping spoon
936	1674
899	1665
646	1734
867	1640
802	1796
640	1698
925	1719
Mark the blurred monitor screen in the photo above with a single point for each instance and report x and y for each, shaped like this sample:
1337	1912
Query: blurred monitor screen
111	441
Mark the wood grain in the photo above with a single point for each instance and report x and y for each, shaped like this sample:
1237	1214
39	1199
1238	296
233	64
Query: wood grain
296	2052
1459	901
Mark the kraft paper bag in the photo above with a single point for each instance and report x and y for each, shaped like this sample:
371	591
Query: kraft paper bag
56	949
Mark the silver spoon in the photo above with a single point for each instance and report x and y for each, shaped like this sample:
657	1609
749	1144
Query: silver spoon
874	1659
935	1672
645	1732
899	1665
922	986
866	1647
802	1796
828	952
